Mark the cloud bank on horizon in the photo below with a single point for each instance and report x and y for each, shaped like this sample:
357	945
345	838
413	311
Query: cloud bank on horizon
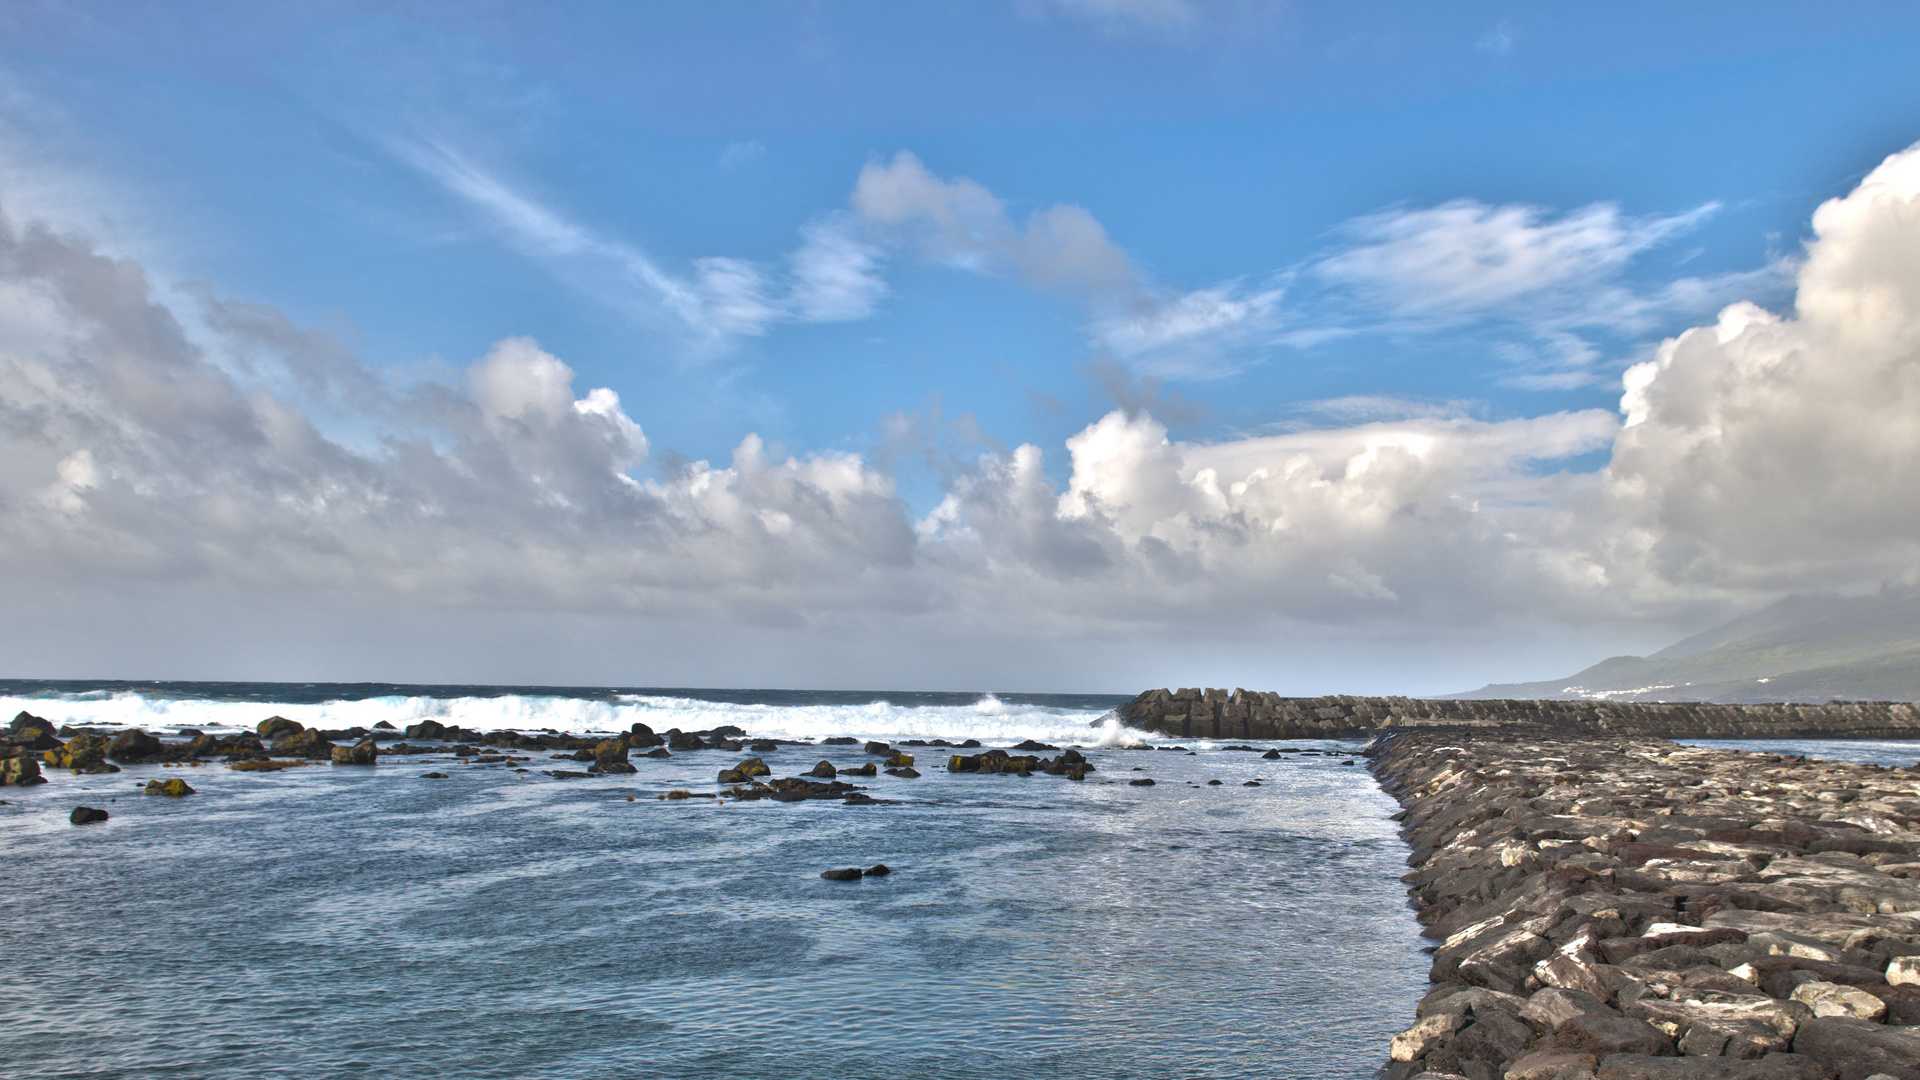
1767	451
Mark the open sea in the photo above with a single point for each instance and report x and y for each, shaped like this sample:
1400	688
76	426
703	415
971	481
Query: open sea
334	922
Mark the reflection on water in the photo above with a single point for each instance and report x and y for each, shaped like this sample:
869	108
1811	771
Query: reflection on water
326	922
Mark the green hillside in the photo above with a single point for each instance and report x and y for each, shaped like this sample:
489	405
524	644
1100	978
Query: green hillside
1803	648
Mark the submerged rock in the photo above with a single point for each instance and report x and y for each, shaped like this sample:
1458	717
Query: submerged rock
83	815
878	870
851	873
433	776
1144	781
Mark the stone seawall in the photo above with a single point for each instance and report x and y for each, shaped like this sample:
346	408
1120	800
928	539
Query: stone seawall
1243	714
1634	909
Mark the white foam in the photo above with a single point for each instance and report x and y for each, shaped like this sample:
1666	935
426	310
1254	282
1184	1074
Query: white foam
989	719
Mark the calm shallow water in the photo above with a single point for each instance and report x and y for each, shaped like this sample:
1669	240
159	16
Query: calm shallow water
327	922
1894	752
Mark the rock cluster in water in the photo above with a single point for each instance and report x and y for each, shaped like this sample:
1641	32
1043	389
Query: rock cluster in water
278	743
1634	909
1241	714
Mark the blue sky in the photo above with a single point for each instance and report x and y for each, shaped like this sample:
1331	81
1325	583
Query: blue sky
921	233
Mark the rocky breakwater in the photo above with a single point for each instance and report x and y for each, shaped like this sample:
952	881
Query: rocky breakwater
1636	909
1192	713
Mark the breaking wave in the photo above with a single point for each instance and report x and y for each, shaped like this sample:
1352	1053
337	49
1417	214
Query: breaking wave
987	718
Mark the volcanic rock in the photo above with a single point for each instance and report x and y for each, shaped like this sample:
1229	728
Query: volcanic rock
274	727
20	770
306	743
84	814
364	752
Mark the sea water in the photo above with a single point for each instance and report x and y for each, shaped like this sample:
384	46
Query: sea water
330	922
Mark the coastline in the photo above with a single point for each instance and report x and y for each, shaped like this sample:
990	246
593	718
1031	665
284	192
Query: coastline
1634	908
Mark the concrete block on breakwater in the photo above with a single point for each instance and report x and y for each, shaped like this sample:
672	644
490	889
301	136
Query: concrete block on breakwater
1242	714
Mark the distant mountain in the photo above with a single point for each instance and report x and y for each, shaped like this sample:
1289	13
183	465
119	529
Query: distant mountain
1802	648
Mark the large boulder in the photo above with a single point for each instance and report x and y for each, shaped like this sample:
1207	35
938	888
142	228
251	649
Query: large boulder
275	727
174	788
306	743
32	732
1604	1035
1553	1006
1771	1067
609	751
1493	1038
83	754
427	729
134	745
20	771
83	815
364	752
824	771
1832	999
685	740
745	771
1425	1035
1859	1048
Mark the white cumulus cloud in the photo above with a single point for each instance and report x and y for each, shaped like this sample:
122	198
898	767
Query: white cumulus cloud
1767	452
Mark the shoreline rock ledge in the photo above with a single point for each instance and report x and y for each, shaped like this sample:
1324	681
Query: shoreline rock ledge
1192	713
1634	909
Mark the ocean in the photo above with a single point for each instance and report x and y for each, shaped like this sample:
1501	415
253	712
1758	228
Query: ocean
333	922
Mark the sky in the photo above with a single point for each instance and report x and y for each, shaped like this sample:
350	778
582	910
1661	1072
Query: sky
1041	345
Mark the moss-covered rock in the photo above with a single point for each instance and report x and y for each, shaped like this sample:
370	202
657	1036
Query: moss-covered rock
83	754
173	789
306	743
20	771
364	752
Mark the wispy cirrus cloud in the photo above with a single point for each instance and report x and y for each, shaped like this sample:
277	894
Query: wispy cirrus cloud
1464	258
831	277
1557	298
